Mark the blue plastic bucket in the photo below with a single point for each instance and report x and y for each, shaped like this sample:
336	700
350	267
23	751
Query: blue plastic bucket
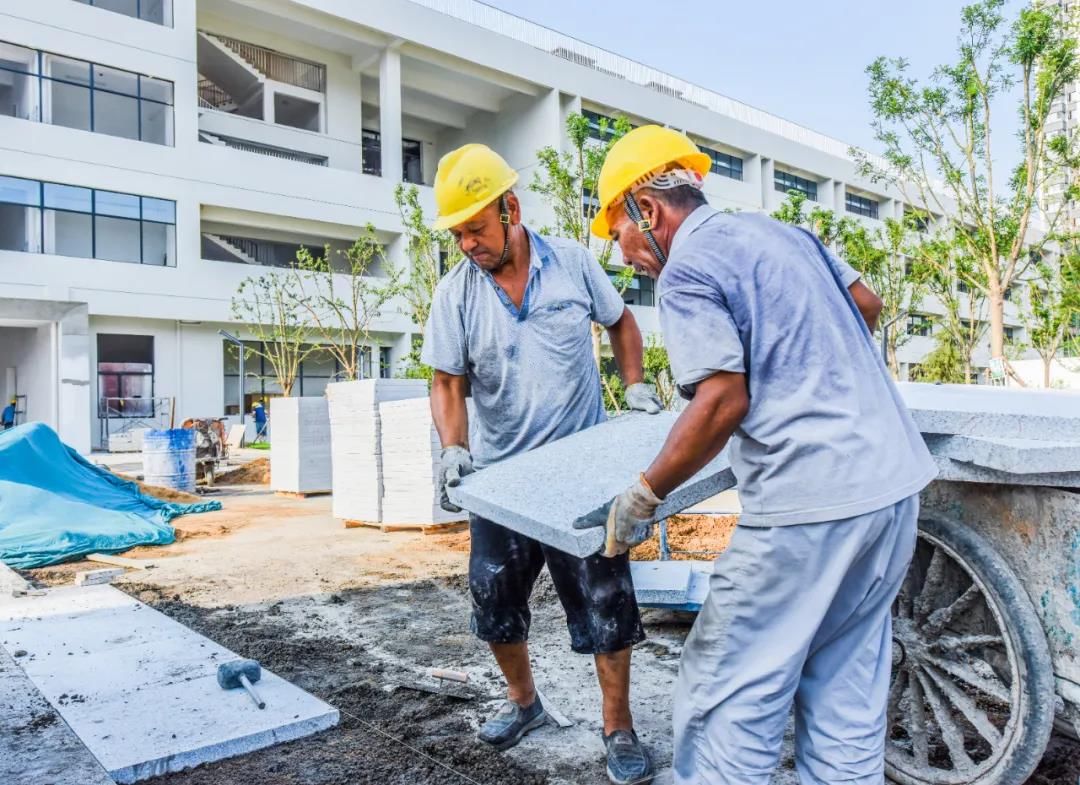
169	459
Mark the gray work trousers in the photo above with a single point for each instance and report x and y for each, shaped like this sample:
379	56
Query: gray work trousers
796	615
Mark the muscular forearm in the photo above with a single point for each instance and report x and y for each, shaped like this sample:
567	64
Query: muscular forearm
448	409
701	431
626	346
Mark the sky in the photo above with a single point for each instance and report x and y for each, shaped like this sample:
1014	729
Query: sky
804	61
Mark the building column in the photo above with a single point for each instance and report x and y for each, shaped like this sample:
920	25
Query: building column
752	171
390	112
827	194
768	175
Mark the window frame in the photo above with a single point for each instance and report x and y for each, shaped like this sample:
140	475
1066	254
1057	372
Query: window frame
862	205
785	181
724	164
43	209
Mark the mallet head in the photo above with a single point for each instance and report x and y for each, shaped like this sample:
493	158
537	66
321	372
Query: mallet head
228	673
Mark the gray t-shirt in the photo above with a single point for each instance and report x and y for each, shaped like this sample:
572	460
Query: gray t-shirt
531	369
827	435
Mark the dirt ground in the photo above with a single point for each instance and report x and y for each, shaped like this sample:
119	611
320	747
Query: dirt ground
350	615
690	537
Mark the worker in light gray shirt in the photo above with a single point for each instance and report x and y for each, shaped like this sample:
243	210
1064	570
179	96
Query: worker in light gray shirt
513	325
769	337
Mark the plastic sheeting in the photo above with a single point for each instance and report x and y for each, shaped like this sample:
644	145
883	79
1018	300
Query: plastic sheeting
56	506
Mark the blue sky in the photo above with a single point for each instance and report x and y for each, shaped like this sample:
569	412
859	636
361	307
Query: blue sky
801	60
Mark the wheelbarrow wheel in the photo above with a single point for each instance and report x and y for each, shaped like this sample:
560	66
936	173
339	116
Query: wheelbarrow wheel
971	700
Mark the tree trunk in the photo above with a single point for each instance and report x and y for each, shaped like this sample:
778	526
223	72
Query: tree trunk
996	300
894	364
1047	364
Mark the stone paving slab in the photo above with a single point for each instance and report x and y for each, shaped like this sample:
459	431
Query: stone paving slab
1015	456
542	492
959	471
140	690
36	746
661	582
1003	413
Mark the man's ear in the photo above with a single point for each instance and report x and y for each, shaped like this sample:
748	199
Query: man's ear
514	207
650	208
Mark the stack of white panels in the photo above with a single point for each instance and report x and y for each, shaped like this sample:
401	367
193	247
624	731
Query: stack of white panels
300	450
355	439
410	461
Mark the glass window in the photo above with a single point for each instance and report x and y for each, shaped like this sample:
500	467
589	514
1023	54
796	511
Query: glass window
724	164
125	7
156	123
161	210
158	244
372	152
67	105
119	205
19	191
117	239
67	69
20	228
18	94
785	181
18	58
411	158
68	197
861	205
156	89
69	234
116	81
116	115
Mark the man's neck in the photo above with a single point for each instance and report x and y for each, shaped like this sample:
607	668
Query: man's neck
519	258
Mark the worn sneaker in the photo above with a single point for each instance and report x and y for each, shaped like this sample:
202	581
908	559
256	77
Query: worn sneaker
510	723
628	762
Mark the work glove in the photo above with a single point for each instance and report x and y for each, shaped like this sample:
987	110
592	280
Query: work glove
454	463
630	518
640	397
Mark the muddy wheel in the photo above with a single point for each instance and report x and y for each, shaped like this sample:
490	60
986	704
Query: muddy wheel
972	694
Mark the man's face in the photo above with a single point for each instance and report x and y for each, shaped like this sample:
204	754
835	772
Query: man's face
635	249
482	238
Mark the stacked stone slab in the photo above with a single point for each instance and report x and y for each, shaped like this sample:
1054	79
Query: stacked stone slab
355	437
300	460
410	465
996	435
543	492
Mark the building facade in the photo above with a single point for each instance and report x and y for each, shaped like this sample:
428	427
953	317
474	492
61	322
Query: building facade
155	153
1065	119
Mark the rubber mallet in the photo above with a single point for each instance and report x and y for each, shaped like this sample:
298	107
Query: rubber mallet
241	673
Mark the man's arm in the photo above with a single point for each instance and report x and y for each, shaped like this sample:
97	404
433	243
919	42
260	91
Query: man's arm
720	403
868	303
626	346
448	393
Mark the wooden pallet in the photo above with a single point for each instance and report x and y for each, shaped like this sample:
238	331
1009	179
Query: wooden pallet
426	528
300	494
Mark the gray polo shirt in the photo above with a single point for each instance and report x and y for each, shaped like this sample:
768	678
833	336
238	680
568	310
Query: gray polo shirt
531	369
827	435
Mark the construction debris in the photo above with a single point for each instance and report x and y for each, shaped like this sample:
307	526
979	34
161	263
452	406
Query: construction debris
95	577
121	561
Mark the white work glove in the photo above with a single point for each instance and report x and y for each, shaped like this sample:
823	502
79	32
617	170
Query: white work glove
629	519
454	463
640	397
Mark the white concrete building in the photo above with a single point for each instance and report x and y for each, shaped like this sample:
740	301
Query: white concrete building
1065	116
157	152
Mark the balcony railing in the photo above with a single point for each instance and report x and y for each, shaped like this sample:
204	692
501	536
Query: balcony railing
277	66
609	63
264	149
211	96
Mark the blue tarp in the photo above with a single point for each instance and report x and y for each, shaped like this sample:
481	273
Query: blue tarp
56	506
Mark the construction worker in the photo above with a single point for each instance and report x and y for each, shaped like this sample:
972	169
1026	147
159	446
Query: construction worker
769	337
512	324
7	417
258	411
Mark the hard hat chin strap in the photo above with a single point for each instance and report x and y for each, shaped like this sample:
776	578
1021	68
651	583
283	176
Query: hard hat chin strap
645	226
504	219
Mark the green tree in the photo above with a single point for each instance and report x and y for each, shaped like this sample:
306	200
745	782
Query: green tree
341	301
269	306
567	181
945	364
939	134
431	254
1053	307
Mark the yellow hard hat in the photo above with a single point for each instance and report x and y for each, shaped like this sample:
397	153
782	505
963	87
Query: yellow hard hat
643	151
469	179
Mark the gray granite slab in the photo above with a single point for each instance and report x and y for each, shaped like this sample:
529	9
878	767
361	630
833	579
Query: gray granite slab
36	746
959	471
1015	456
542	492
661	582
1003	413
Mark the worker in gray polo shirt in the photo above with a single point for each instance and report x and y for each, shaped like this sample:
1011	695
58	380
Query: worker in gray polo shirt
769	337
512	324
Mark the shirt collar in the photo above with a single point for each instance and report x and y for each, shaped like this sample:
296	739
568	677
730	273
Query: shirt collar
539	253
690	225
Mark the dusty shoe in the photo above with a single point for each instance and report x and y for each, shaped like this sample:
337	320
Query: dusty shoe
510	723
628	762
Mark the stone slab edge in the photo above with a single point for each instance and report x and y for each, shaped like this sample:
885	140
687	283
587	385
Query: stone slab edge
1014	456
958	471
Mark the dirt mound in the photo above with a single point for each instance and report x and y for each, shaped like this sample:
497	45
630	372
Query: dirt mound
168	494
256	472
699	534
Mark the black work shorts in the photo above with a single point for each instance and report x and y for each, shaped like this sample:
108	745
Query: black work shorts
597	593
